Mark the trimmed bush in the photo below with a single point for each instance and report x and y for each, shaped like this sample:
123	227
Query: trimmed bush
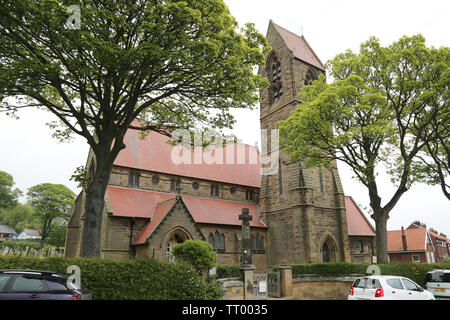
228	271
140	279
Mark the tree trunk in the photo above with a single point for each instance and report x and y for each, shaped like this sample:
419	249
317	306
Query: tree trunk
381	217
95	200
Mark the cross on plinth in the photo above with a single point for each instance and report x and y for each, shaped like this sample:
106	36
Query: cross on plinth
246	255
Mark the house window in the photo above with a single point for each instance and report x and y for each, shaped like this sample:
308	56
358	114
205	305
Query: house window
155	179
214	190
133	179
195	185
415	258
361	246
249	195
232	190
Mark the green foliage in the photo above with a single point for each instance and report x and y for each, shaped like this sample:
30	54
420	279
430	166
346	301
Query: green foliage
19	217
50	201
140	279
228	271
57	236
198	253
414	271
8	195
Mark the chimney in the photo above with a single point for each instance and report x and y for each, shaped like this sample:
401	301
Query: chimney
405	246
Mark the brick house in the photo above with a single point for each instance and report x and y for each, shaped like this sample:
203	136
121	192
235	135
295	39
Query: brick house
440	242
411	245
298	214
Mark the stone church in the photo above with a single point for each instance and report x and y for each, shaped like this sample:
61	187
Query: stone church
299	215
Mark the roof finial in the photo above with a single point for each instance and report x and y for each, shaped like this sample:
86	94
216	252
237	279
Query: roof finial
301	30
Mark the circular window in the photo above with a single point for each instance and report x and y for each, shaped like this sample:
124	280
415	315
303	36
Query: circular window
232	190
195	185
155	179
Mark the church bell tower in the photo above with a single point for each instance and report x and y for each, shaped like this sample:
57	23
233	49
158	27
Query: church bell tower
303	207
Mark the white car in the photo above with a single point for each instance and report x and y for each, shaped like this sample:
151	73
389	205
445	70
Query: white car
438	283
387	288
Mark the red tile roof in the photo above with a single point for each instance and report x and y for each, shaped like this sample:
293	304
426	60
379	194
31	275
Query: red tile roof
154	154
135	203
357	223
299	47
415	240
159	213
217	211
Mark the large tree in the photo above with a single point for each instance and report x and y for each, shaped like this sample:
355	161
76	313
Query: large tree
49	202
372	116
8	196
102	64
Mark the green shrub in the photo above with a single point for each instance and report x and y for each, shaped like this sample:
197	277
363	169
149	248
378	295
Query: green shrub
197	253
228	271
140	279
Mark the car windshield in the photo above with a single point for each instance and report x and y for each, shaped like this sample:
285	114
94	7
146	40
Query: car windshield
438	276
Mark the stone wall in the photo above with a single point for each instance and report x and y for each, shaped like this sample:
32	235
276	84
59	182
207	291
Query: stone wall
318	287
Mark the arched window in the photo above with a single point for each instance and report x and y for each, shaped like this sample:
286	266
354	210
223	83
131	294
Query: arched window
214	190
217	241
273	69
328	250
211	239
175	185
91	170
310	77
320	180
133	178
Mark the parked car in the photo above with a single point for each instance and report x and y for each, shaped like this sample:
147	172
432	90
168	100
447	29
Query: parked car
387	288
39	285
438	283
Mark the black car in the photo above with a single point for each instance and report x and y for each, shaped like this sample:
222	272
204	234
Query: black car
38	285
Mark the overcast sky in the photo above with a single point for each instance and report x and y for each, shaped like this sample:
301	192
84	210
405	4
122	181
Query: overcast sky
32	156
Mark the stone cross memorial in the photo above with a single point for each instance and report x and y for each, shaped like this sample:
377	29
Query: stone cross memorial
246	255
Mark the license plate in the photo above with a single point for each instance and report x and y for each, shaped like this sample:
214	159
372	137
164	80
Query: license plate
439	290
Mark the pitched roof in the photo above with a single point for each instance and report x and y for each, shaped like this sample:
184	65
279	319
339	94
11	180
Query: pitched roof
218	211
357	223
6	229
415	240
154	154
299	47
135	203
31	233
159	213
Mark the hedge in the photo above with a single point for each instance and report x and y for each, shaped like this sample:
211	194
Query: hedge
228	271
415	271
139	279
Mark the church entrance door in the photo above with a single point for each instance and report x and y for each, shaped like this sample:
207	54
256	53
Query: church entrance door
176	237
